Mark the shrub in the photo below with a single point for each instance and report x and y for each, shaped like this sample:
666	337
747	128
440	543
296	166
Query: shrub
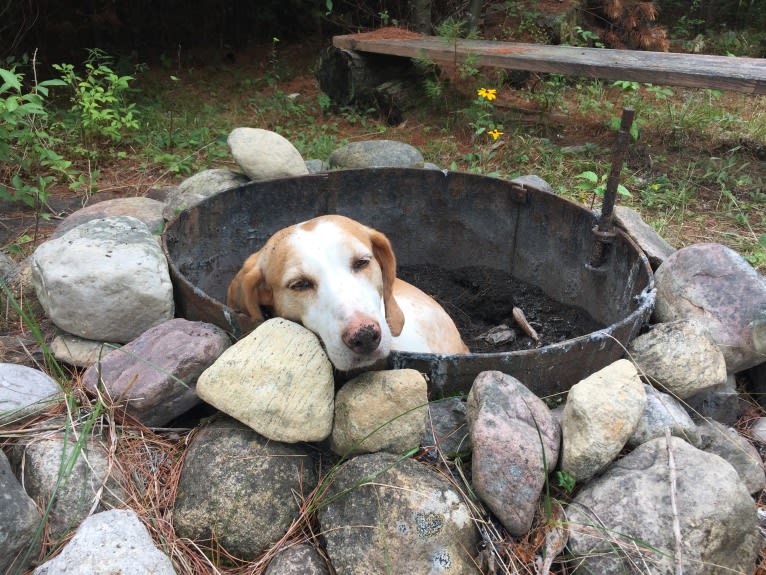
30	164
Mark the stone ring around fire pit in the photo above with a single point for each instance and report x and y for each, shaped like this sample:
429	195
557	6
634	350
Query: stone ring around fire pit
507	231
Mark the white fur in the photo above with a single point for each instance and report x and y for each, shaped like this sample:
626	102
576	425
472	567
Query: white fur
342	296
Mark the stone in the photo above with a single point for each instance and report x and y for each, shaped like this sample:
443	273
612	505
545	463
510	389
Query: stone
79	351
601	413
240	488
679	358
22	290
264	154
155	375
7	265
161	193
447	429
199	187
533	182
759	430
300	559
376	154
515	446
108	543
105	280
387	514
25	392
380	411
650	242
147	210
720	402
755	384
738	451
315	166
91	483
276	380
630	503
717	286
19	519
663	411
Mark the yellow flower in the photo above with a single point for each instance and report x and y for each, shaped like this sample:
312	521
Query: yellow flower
487	93
495	133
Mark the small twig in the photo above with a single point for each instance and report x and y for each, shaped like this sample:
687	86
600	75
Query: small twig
674	506
521	319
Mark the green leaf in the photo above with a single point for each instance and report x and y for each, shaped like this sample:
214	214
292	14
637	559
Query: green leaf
588	175
10	79
52	82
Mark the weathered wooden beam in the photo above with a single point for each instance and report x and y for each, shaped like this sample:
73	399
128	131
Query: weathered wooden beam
689	70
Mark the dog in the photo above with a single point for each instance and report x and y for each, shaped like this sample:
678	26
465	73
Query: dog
337	278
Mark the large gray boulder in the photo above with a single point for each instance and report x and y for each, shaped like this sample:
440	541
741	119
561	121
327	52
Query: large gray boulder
680	358
265	154
19	520
25	392
385	514
376	154
90	482
147	210
199	187
109	543
105	280
625	518
650	242
240	488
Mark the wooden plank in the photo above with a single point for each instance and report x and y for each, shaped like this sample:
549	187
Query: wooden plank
689	70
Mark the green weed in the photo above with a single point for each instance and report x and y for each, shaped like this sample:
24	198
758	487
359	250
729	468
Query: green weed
28	156
99	98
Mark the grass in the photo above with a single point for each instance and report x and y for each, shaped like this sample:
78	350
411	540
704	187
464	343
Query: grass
695	170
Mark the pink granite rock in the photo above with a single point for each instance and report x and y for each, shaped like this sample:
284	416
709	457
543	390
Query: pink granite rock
155	375
511	428
719	288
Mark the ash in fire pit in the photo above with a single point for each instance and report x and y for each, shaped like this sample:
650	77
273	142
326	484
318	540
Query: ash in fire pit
480	299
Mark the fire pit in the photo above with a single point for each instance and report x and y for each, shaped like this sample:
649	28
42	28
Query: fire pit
458	222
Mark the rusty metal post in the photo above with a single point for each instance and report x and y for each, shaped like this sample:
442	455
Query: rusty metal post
603	232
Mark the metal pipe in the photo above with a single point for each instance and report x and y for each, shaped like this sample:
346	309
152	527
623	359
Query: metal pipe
603	232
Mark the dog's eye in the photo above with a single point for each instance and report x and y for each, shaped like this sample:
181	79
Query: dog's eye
360	264
301	285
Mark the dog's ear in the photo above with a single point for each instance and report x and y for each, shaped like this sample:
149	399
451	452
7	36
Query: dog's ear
382	251
248	291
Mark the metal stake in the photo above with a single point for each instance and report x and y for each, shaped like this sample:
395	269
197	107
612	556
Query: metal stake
603	232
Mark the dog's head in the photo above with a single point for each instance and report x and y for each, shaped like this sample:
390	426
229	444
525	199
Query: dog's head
334	276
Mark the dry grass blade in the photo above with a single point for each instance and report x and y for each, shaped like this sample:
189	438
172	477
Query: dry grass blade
674	505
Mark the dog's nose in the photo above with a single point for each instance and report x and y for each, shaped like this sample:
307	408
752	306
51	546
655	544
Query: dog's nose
362	339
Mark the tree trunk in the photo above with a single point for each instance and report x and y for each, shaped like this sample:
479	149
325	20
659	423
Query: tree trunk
475	15
421	16
362	80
